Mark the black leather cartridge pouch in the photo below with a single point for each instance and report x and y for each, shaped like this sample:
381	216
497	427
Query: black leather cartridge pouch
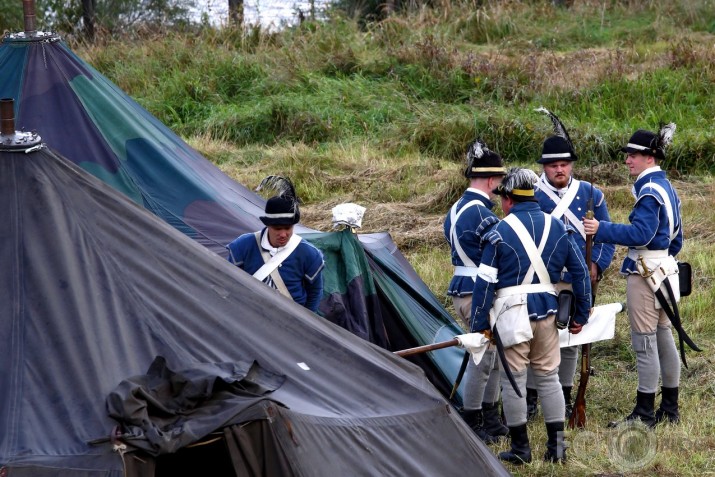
567	307
685	278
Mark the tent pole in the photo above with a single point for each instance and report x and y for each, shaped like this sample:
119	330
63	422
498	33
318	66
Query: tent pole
28	9
7	117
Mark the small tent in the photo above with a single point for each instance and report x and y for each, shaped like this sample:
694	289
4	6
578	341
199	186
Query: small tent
90	121
128	347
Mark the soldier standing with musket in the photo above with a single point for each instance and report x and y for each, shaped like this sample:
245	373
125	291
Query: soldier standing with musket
567	199
654	237
468	219
522	260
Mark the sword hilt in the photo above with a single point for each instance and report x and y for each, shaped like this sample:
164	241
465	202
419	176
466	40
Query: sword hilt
647	272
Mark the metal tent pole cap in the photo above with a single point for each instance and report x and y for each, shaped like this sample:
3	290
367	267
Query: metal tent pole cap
10	139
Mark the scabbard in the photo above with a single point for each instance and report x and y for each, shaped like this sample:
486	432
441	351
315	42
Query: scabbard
674	317
460	374
505	364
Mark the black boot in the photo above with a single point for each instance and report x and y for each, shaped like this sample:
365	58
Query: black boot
520	452
532	406
567	401
555	447
475	419
492	423
644	410
668	410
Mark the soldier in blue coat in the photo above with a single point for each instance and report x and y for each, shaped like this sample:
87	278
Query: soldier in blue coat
523	258
653	237
567	199
276	255
468	219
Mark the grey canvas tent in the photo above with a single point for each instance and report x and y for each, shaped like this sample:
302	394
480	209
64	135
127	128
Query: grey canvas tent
126	344
90	121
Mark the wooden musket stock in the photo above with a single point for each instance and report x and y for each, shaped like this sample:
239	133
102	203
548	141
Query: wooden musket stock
578	415
425	348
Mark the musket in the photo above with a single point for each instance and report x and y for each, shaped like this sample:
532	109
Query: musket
455	342
578	415
426	348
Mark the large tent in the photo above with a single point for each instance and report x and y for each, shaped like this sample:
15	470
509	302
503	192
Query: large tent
109	311
91	122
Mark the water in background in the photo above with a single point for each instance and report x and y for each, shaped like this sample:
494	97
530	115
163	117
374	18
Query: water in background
268	13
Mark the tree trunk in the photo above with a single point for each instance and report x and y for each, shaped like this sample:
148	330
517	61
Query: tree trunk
235	12
88	17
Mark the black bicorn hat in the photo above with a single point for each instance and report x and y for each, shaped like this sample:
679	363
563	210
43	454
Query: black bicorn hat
281	209
558	147
650	143
555	149
483	162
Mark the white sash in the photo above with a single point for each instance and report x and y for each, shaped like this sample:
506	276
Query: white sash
510	307
454	215
563	204
537	263
668	207
270	265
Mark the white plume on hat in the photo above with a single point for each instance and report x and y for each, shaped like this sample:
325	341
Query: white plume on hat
665	135
519	178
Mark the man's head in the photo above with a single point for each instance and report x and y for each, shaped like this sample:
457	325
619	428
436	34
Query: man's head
645	149
558	173
517	186
485	167
278	235
557	156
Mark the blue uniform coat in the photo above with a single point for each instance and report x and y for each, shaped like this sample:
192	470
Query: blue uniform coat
602	253
470	226
301	271
649	224
505	254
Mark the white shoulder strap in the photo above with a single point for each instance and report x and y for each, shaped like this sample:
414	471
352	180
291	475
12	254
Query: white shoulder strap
277	259
668	207
454	216
563	204
537	263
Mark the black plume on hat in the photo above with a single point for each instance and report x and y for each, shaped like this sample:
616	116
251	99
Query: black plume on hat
281	209
483	162
650	143
558	147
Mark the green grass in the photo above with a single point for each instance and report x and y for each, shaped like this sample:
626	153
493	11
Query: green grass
381	114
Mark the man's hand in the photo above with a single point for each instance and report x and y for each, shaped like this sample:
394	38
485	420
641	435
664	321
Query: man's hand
590	226
488	334
594	273
575	328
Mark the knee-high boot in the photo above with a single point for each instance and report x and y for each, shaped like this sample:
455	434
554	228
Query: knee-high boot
668	409
492	420
520	452
555	447
644	410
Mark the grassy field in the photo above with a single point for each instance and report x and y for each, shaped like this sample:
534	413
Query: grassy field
381	115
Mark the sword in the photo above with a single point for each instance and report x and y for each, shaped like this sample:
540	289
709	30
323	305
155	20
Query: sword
505	364
460	375
672	313
674	317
